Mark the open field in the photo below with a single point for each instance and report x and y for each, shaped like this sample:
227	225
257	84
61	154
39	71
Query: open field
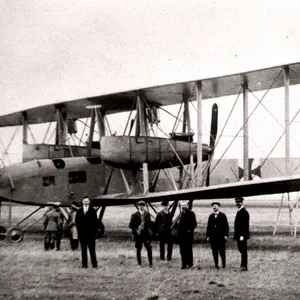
27	272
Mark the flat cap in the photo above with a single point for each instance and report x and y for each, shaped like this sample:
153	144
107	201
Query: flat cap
141	203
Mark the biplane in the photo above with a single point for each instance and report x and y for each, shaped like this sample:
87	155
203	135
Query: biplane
123	169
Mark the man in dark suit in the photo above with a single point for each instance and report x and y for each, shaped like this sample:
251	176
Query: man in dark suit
217	234
163	223
241	231
141	226
87	226
186	226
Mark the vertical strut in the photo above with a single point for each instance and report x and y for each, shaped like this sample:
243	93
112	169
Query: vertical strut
25	128
91	134
246	129
199	133
287	117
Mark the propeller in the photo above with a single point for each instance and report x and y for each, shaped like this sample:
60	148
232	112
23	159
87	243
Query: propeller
213	137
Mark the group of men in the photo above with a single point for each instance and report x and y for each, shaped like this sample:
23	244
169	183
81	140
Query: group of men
217	233
83	225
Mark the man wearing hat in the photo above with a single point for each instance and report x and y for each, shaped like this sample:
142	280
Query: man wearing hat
53	221
87	227
241	231
186	226
74	242
141	226
163	223
217	234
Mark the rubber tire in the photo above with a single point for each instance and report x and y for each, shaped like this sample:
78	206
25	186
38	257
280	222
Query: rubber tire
14	235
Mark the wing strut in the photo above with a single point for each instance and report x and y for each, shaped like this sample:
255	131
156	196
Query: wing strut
199	96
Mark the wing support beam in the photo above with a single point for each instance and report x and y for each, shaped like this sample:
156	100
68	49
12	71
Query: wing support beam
199	96
287	117
246	129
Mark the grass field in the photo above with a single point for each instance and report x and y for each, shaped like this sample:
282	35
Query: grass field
27	272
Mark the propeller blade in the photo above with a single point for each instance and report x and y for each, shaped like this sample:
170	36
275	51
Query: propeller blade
213	136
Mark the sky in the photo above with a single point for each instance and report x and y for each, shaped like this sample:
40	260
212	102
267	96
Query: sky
53	51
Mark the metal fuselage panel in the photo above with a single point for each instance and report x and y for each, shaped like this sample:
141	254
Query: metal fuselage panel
41	181
43	151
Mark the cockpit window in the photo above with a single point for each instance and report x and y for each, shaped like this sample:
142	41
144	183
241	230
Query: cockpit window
48	180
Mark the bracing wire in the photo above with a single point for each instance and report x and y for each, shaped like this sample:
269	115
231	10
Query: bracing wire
246	121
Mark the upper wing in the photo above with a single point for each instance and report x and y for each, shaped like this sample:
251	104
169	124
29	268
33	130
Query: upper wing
213	87
249	188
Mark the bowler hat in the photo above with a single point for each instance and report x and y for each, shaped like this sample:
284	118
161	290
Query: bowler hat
216	203
239	199
141	203
165	203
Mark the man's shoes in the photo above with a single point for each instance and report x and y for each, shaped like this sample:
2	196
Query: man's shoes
183	267
243	269
84	267
150	265
217	267
169	259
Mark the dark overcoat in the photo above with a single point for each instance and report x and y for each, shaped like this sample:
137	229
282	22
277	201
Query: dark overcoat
186	226
217	227
163	222
135	222
87	224
241	224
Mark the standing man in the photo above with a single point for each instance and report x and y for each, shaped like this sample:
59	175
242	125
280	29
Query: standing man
141	226
217	234
186	226
52	223
87	225
241	231
74	242
163	223
59	226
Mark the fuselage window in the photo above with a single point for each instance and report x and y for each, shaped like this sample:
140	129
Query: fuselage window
77	177
48	180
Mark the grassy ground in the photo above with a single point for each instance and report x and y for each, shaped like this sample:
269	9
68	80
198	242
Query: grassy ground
28	272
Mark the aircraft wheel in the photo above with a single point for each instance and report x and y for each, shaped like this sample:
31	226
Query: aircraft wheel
2	233
101	229
14	235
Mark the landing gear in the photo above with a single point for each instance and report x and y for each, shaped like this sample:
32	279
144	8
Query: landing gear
2	233
14	235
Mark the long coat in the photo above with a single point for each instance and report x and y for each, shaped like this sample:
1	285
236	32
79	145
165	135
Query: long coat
217	227
87	224
186	226
135	222
163	222
241	224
